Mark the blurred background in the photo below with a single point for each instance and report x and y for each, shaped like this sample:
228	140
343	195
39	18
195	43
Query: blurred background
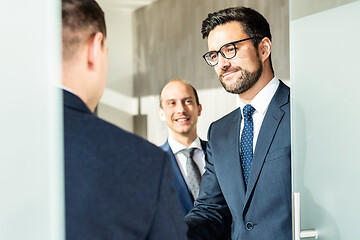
153	41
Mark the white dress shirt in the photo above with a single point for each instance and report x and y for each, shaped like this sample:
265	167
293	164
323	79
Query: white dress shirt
199	157
65	88
261	103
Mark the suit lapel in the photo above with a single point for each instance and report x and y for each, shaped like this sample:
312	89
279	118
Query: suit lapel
203	145
230	159
185	197
267	132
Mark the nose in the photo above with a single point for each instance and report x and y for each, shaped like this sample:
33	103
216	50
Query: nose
180	108
223	63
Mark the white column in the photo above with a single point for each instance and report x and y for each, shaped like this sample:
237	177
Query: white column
31	155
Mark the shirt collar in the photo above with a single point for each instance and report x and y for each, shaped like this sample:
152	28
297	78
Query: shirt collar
262	100
176	146
65	88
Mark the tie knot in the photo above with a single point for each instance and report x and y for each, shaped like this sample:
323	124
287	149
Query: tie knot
188	152
248	110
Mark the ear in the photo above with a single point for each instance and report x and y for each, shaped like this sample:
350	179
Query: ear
200	109
94	51
162	114
264	49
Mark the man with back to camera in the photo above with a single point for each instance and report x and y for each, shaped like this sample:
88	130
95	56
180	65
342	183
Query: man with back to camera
111	191
247	180
180	109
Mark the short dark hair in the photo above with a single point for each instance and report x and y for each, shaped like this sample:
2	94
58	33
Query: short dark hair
81	19
180	80
253	23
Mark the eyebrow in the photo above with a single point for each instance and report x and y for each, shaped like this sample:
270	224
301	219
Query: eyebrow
174	99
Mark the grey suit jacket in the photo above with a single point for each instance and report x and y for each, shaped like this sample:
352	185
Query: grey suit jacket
263	211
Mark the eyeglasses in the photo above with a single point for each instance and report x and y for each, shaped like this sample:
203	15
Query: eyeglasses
228	51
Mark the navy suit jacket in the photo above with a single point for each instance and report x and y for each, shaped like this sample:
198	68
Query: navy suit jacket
263	211
184	195
117	185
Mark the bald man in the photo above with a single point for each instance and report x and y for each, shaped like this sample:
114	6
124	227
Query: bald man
180	109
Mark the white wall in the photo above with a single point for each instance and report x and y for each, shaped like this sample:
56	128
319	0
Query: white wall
117	105
120	45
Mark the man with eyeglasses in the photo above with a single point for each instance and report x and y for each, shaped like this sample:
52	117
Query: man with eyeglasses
247	181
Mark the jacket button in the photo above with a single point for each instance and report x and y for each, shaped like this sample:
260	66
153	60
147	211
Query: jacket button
249	226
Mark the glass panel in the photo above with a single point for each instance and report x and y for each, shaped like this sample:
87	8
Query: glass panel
31	156
325	120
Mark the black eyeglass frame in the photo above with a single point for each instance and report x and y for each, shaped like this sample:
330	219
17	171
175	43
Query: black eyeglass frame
219	51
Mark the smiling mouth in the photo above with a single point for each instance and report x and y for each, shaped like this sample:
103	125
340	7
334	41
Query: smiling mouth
226	74
182	119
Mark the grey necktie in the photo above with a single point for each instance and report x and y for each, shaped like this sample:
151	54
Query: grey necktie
193	178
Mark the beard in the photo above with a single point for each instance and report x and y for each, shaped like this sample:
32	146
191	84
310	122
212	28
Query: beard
246	81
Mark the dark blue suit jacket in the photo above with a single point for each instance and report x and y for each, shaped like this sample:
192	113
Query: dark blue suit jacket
117	186
185	198
263	211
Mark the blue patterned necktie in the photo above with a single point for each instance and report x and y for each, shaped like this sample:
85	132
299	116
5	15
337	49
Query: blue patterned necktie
246	142
193	178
